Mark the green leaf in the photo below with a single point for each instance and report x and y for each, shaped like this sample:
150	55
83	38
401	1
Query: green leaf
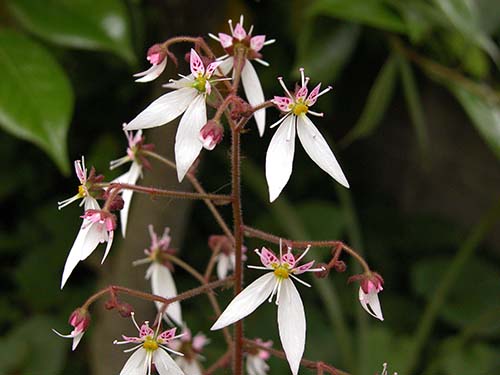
323	50
88	24
379	98
471	295
369	12
36	99
415	109
463	16
485	116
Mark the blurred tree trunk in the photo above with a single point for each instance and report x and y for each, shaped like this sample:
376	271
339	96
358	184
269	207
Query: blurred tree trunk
171	18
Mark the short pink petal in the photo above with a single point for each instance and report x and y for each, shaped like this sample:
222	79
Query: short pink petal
267	257
211	68
288	258
225	40
302	93
313	96
168	334
239	32
303	268
257	42
284	103
146	331
196	64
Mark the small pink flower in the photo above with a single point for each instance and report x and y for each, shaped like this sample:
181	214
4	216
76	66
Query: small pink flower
191	347
80	321
277	282
211	134
157	56
226	258
151	347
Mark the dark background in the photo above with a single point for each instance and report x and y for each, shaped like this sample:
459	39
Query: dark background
415	120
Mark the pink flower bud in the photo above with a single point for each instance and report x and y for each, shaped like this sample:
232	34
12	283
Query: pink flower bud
211	134
156	54
79	320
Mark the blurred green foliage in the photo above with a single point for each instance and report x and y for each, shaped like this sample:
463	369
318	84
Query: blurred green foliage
381	49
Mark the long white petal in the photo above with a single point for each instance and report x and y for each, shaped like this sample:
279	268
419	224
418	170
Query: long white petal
247	301
152	73
254	93
279	157
371	304
162	284
222	266
136	364
131	178
74	254
226	65
96	234
165	365
163	110
190	367
318	150
187	139
292	324
76	340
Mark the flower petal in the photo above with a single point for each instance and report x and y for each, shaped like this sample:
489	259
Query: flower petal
254	93
131	178
226	41
152	73
164	364
187	142
247	301
163	110
222	266
162	284
371	304
279	157
291	324
137	364
226	65
196	64
318	150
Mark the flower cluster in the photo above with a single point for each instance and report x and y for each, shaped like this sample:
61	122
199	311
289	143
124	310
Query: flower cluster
206	109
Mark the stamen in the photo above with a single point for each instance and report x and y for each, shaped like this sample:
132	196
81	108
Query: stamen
132	315
141	261
241	20
158	326
280	79
274	291
222	57
182	76
132	349
321	269
149	360
268	42
250	31
220	79
116	163
258	267
303	254
281	251
213	37
68	201
325	91
300	281
317	114
171	350
307	80
230	22
302	79
278	294
262	62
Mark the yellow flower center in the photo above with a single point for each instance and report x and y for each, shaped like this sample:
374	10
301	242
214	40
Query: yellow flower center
299	109
281	272
150	344
200	83
82	191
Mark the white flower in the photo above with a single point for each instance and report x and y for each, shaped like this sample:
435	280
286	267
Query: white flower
150	348
83	189
225	264
291	316
279	157
135	145
226	257
249	78
188	97
256	359
157	56
162	282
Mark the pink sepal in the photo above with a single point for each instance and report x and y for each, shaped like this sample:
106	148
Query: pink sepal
146	331
211	68
289	259
313	96
301	94
196	64
225	40
167	335
303	268
284	103
239	32
257	42
267	257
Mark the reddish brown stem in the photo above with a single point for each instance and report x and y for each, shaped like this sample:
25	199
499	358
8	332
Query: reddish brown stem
252	232
313	365
220	363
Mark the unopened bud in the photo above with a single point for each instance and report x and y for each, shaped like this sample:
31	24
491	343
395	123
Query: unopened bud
125	309
340	266
79	319
211	134
156	54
